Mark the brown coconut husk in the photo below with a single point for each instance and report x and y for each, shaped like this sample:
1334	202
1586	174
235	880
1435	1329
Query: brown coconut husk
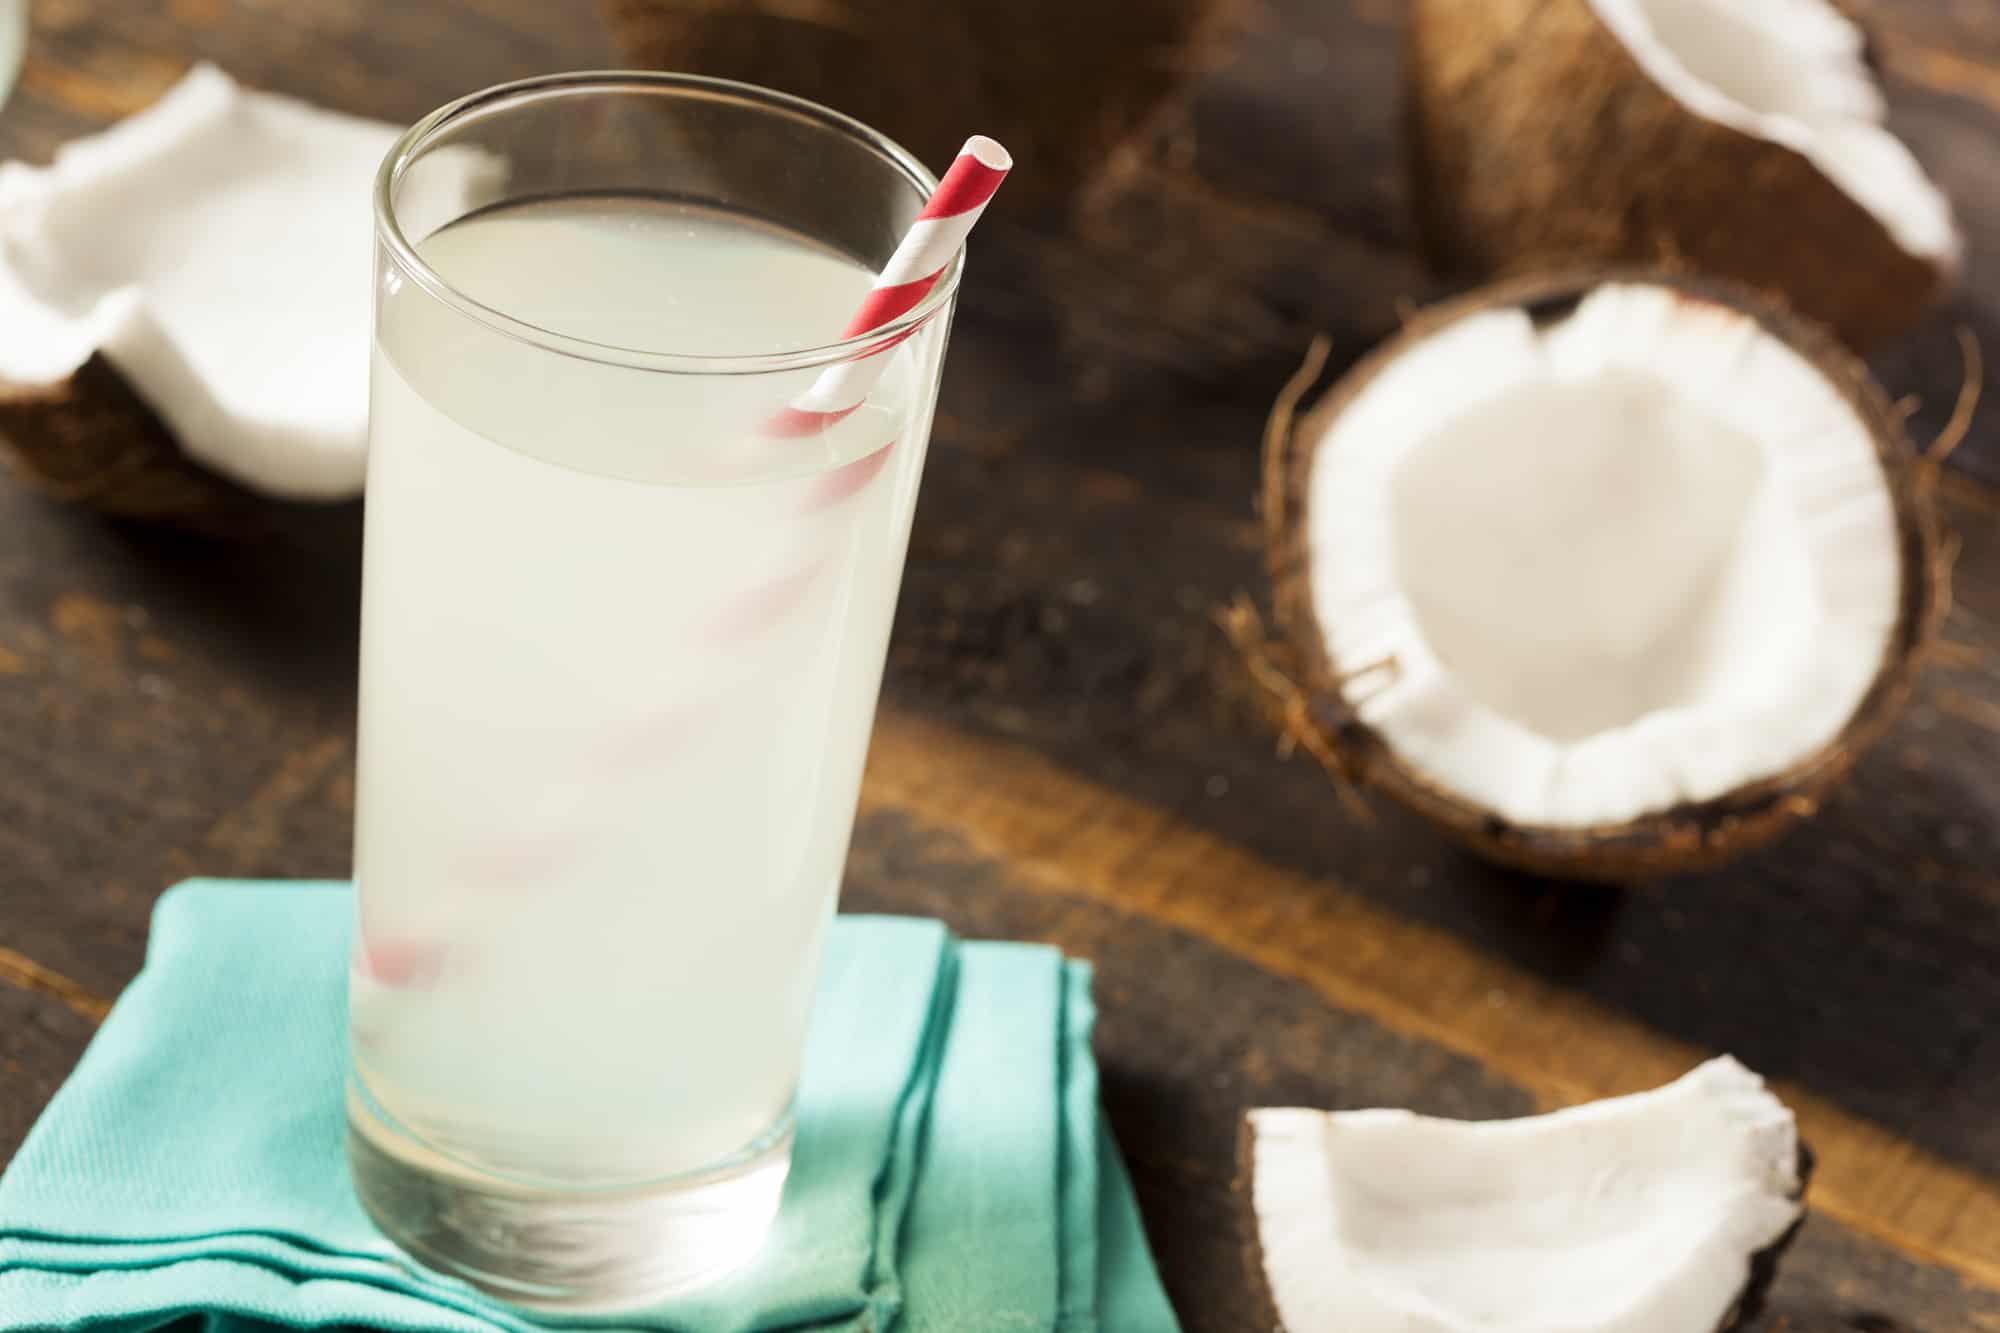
91	440
1749	1302
1061	84
1306	698
1536	142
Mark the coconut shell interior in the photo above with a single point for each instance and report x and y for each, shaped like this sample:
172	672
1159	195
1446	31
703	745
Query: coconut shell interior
1536	143
1689	836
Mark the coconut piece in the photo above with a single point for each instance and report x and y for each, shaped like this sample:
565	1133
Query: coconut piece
1661	1212
1745	140
199	273
1608	580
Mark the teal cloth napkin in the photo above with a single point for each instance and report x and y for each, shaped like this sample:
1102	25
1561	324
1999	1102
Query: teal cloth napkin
951	1169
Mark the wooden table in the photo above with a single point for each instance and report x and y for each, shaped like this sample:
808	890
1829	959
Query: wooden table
1067	748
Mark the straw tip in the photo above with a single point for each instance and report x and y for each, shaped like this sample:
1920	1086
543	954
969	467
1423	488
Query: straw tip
989	152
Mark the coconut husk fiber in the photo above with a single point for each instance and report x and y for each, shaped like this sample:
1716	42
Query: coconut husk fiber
1061	83
91	440
1536	142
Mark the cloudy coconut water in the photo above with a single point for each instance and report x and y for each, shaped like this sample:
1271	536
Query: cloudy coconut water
619	669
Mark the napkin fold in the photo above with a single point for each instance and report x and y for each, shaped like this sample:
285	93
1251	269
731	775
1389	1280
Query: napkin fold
951	1169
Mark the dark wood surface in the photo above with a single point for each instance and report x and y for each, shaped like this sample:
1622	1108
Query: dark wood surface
1068	749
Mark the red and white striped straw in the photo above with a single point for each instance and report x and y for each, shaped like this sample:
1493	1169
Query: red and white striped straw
920	260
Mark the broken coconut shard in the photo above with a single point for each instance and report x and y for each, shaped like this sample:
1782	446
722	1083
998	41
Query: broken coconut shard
1661	1212
1606	580
197	273
1744	141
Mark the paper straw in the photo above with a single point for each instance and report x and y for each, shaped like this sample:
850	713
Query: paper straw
920	260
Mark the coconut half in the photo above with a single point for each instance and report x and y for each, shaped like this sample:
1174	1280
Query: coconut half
1661	1212
1607	579
1746	140
198	273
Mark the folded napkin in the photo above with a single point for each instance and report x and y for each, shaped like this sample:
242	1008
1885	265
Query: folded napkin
951	1170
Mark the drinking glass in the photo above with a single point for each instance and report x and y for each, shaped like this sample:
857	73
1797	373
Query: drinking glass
621	644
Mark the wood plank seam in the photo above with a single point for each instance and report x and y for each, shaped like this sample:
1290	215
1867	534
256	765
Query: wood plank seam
1009	805
254	829
1941	71
21	971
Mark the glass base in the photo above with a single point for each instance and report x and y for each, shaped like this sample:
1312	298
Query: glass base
576	1250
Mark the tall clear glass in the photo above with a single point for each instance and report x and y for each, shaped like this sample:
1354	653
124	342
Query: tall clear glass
621	644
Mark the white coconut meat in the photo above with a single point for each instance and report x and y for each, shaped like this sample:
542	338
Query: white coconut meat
1637	1214
216	249
1791	72
1578	573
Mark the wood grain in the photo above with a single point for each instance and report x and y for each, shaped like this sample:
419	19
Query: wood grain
29	975
1066	836
1943	70
1177	1075
1068	749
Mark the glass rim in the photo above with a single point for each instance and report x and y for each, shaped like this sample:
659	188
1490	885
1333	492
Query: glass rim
506	96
